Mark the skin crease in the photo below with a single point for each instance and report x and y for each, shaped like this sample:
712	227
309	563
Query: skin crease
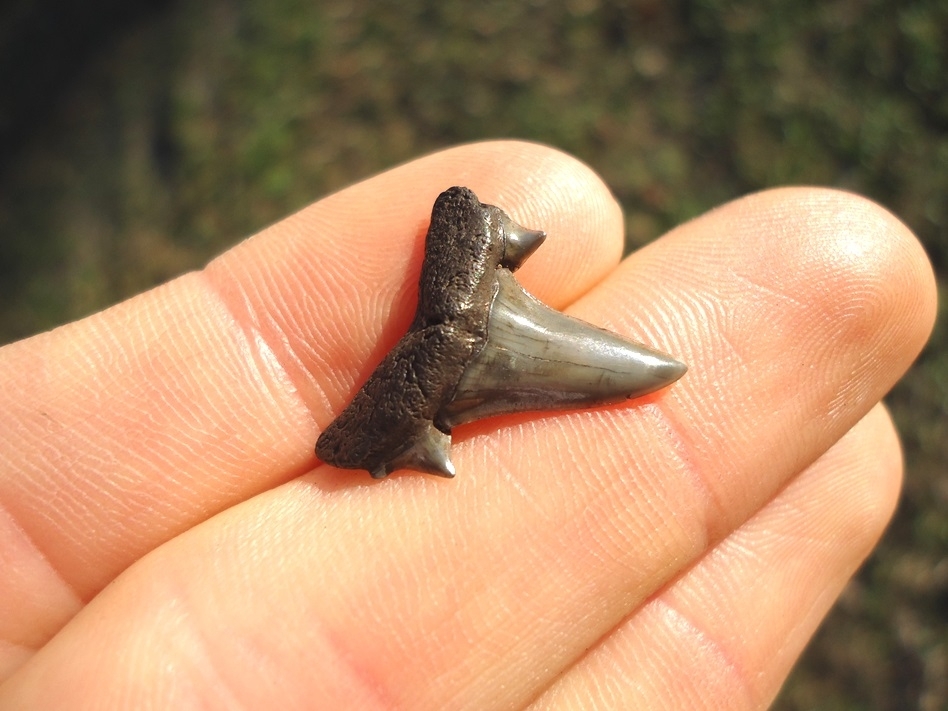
673	552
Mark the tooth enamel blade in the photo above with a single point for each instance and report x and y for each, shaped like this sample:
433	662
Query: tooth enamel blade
537	358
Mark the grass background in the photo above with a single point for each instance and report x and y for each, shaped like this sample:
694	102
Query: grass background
138	139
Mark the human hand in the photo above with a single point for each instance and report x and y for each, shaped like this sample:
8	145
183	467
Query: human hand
162	550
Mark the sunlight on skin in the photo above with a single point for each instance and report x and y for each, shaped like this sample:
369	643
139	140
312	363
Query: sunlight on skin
473	593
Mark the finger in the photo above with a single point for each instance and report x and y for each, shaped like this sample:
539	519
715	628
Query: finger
121	431
726	634
797	309
480	591
356	291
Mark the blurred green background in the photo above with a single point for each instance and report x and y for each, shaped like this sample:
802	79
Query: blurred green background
138	139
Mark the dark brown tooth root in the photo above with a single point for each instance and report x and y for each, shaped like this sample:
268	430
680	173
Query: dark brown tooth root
480	346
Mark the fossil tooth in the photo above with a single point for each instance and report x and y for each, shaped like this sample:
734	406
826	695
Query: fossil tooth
519	243
480	345
429	453
537	358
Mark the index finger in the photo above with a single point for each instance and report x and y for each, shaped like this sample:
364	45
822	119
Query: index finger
122	430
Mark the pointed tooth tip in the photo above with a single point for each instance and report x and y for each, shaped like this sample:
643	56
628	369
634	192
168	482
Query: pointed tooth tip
519	244
439	464
443	468
648	371
447	471
428	452
672	370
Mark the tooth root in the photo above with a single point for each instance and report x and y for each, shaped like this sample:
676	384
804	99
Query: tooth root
537	358
429	453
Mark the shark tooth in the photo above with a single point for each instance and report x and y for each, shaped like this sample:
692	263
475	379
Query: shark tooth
519	243
480	346
429	452
537	358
